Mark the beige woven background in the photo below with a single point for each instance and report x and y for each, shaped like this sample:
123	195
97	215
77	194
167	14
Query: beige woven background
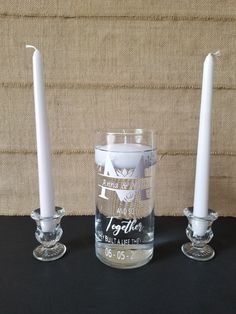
124	63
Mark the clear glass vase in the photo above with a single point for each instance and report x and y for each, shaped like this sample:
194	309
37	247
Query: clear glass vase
125	182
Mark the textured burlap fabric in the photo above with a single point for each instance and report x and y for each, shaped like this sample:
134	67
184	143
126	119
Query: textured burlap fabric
116	64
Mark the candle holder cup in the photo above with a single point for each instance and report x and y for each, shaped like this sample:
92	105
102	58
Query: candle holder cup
48	233
198	249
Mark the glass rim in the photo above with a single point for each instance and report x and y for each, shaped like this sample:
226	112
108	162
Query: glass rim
126	131
59	213
211	216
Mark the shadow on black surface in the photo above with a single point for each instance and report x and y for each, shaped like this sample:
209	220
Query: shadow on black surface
167	249
220	240
80	243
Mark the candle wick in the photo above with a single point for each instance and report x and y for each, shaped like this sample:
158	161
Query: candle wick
30	46
216	53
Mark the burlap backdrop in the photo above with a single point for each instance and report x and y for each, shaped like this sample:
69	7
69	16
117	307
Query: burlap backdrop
116	64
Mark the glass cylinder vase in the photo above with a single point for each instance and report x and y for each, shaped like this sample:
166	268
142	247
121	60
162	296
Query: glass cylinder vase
125	183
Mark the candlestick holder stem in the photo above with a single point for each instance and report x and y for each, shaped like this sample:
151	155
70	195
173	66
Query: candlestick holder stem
198	249
48	233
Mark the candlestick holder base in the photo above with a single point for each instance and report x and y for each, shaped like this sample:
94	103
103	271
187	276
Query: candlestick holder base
48	233
199	233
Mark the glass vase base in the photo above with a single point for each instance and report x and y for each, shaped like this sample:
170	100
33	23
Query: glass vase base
121	257
46	254
202	254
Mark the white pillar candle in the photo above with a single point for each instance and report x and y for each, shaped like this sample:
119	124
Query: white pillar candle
200	207
46	190
125	155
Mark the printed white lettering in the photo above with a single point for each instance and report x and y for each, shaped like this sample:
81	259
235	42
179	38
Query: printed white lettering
126	226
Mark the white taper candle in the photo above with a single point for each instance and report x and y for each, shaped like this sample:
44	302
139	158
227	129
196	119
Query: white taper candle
46	189
200	207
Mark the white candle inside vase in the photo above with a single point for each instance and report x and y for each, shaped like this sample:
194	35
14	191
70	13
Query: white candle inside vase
46	189
201	192
125	155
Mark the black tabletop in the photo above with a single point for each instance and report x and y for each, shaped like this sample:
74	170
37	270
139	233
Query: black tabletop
80	283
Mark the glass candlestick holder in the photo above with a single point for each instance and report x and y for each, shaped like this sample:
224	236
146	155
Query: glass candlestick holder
199	233
48	233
